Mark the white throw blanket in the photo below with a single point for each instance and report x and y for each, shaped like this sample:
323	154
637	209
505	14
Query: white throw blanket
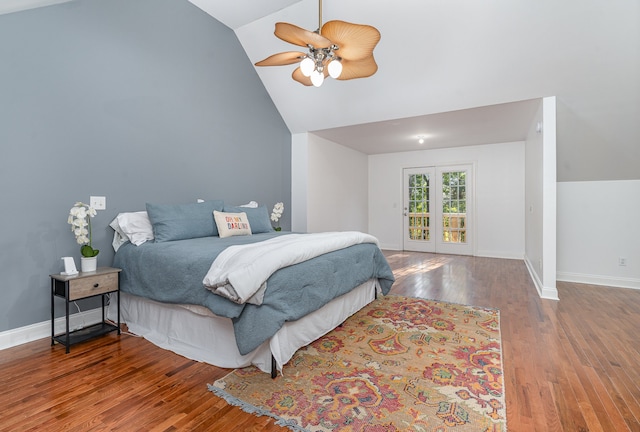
240	272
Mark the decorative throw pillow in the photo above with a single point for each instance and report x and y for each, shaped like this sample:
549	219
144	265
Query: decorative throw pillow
183	221
232	224
258	217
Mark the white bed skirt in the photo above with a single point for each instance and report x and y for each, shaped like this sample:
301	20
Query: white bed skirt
196	333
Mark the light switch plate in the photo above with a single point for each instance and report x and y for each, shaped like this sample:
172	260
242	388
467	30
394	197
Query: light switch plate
98	202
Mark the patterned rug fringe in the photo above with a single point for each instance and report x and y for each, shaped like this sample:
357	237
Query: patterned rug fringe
257	411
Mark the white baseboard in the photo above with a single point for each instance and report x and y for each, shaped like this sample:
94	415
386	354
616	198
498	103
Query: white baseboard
480	253
499	254
549	293
30	333
611	281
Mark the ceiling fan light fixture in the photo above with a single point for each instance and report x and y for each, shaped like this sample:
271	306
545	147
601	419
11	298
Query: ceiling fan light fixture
306	66
355	42
335	68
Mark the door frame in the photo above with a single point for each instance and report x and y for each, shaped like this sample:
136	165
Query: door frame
418	245
436	216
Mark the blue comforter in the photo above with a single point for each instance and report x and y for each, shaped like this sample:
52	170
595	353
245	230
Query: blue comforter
172	272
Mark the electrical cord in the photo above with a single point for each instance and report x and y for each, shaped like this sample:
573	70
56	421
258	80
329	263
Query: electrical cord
115	324
121	331
84	323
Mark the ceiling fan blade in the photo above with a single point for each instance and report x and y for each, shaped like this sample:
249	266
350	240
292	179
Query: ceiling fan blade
358	68
298	76
355	41
283	58
299	36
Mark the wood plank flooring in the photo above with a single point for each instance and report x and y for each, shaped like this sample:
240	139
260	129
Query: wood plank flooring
572	365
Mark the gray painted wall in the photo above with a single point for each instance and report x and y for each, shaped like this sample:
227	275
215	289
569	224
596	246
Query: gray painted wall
137	100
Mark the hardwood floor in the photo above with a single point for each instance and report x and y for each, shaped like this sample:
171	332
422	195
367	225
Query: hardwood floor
572	365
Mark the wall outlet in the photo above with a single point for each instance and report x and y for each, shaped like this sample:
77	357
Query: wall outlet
98	202
622	261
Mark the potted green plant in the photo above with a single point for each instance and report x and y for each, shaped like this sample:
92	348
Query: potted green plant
276	214
80	220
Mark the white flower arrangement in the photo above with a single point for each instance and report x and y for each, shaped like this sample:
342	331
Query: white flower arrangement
80	220
276	214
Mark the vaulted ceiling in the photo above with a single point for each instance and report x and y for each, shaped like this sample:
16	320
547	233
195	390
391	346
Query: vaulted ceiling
441	61
462	69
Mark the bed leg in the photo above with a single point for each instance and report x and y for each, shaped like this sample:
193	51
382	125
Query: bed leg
274	367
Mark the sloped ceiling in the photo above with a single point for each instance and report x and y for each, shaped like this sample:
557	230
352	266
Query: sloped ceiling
9	6
437	57
237	13
444	61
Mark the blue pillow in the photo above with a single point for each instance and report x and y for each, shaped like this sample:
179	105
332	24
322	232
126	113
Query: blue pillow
258	217
183	221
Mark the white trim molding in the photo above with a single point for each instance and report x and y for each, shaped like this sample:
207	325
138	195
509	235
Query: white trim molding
391	246
499	254
41	330
549	293
9	6
610	281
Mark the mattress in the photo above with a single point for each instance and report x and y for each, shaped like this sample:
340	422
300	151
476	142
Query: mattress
173	272
196	333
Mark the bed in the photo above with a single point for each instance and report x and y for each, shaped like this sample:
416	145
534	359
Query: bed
168	253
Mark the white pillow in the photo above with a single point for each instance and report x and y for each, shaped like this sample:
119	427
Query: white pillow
250	204
231	224
133	226
119	237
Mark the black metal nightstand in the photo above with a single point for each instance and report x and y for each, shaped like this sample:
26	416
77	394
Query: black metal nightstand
101	282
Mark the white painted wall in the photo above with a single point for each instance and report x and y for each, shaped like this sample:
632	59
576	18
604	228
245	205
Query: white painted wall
328	186
499	194
337	187
597	224
540	192
534	200
299	181
549	195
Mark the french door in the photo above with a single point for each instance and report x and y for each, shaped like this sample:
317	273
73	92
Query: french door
438	210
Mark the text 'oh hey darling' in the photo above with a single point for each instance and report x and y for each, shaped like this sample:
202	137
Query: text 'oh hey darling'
235	222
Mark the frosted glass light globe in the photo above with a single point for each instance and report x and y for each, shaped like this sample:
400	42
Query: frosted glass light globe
317	78
306	66
335	69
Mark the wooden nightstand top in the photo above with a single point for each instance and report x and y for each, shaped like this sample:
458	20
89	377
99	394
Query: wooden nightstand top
99	271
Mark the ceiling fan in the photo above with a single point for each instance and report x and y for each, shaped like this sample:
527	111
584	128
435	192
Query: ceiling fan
337	49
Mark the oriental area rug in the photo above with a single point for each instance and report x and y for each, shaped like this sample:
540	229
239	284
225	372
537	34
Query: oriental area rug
399	364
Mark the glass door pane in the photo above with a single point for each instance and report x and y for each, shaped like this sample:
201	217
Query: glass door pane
417	207
454	214
454	207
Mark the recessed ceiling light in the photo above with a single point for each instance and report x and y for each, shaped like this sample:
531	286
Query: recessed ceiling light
420	139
